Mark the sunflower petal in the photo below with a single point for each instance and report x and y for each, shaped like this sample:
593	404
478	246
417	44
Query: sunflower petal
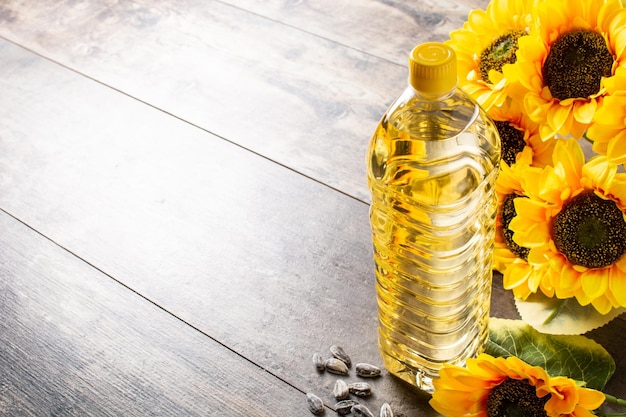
617	284
558	116
619	42
590	398
569	155
564	398
595	282
582	412
584	112
602	304
599	174
514	277
569	283
616	149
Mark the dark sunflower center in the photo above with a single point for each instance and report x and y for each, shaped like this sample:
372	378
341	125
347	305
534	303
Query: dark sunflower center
507	214
512	141
500	52
576	63
590	231
515	398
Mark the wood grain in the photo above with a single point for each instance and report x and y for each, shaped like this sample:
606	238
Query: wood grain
388	29
74	342
301	100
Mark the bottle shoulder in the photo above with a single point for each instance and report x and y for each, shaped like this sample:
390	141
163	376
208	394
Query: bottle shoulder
435	119
434	138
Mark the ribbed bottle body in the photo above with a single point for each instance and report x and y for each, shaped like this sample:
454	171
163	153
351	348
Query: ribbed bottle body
432	169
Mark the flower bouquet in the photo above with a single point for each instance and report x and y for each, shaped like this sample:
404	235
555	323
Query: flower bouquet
552	75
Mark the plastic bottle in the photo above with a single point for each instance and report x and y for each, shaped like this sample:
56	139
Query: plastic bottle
432	166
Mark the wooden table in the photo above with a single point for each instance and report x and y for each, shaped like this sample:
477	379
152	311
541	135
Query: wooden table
183	203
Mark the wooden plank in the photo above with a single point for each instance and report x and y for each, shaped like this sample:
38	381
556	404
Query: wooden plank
388	29
306	102
75	342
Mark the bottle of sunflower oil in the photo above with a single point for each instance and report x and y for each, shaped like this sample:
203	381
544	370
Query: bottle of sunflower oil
432	168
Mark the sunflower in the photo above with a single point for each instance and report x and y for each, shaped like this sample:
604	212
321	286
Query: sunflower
517	132
494	387
487	42
573	224
609	130
511	259
508	188
564	64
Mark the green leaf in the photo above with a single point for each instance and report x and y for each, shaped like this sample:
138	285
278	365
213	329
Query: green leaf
573	356
572	318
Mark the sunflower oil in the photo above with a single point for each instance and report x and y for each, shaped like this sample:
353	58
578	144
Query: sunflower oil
432	167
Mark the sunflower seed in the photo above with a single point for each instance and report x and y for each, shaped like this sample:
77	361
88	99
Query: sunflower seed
336	366
360	389
341	391
367	371
385	410
339	353
345	407
315	403
319	362
360	410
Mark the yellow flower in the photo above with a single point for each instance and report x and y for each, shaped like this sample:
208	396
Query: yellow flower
573	223
564	64
609	129
487	41
494	387
511	259
518	132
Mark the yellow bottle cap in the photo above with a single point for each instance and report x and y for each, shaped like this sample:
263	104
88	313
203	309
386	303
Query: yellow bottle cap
432	68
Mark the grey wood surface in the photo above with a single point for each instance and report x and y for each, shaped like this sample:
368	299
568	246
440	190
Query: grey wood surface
76	342
183	201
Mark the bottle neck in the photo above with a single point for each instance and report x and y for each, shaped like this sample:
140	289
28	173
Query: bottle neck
433	96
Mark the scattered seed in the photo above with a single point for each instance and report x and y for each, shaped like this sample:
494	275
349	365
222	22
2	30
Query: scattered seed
339	353
385	410
341	391
336	366
367	371
360	389
315	403
339	364
345	407
319	362
360	410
